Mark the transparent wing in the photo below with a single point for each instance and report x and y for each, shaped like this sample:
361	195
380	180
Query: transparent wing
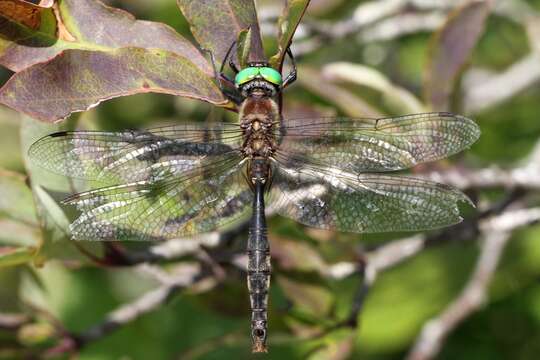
364	203
209	197
387	144
131	156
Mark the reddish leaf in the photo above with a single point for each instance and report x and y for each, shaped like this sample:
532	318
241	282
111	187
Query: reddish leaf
451	48
89	25
77	80
24	12
216	24
287	23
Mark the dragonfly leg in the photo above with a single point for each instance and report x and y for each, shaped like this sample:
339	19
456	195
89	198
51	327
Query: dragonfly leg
229	58
291	78
258	271
226	85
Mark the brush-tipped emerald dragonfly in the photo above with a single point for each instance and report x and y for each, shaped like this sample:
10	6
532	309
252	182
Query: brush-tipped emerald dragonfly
329	173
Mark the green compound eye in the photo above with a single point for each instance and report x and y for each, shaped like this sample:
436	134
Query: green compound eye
246	75
271	75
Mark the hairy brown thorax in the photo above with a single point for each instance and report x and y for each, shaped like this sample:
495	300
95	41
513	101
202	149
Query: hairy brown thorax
259	120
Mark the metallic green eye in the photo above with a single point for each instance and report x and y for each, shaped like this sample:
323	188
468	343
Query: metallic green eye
271	75
246	75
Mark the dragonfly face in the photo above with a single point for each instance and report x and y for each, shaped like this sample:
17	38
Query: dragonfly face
329	173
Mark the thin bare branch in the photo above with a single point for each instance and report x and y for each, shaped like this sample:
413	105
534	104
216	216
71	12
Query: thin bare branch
496	234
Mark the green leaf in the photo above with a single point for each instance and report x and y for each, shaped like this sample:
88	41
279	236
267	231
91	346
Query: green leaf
400	100
54	222
16	200
19	235
243	47
337	344
287	24
450	50
216	24
77	80
10	256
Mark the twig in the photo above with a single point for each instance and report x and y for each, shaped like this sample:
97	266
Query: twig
146	303
496	233
485	91
526	176
471	299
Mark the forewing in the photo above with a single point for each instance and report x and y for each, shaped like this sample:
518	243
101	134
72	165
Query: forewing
211	197
363	203
386	144
131	156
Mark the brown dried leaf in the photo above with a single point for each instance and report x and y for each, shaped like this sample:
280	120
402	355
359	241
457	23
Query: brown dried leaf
24	12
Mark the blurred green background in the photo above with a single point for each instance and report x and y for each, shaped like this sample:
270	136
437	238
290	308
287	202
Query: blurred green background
215	324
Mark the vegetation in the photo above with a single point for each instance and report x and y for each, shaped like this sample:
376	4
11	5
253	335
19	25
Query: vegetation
468	291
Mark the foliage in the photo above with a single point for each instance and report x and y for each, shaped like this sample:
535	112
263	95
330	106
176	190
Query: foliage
357	58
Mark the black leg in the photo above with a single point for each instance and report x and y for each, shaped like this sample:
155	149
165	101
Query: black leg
231	63
231	94
291	78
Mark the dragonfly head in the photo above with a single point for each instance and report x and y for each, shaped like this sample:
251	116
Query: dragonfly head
258	79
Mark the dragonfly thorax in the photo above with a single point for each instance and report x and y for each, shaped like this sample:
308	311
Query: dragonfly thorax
258	119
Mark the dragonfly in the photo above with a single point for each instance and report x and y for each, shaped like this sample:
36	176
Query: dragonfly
193	178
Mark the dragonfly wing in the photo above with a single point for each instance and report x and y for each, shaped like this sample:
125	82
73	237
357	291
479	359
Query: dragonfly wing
385	144
210	197
363	203
131	156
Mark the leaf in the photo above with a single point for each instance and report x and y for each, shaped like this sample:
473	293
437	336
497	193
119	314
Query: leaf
336	345
398	99
24	12
287	24
88	25
78	80
16	200
216	24
54	240
10	256
16	233
243	47
349	103
19	235
310	299
450	49
295	255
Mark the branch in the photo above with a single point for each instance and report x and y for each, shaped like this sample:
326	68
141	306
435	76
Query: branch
483	91
194	278
526	176
496	234
473	296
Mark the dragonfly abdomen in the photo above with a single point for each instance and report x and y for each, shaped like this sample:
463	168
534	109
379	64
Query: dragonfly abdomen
258	269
